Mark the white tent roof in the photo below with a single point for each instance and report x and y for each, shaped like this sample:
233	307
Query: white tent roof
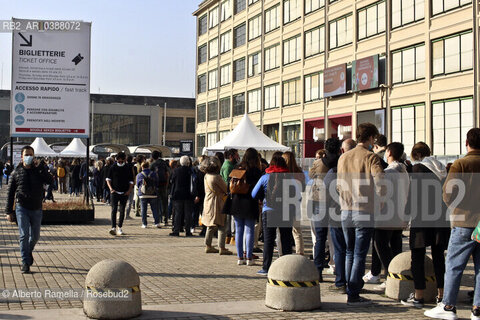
246	135
76	148
42	149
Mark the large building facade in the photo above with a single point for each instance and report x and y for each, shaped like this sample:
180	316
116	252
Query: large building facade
129	120
307	70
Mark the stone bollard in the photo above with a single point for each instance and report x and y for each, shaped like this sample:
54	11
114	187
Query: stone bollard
112	278
400	279
293	284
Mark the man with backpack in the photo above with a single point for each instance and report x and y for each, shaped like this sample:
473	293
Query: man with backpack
147	182
160	167
62	180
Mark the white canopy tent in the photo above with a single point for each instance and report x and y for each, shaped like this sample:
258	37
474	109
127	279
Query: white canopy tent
246	135
42	149
76	149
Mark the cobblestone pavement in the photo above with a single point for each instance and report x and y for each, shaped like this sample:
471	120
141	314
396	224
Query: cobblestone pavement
173	272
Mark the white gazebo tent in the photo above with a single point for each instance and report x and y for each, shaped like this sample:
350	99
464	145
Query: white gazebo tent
42	149
76	149
246	135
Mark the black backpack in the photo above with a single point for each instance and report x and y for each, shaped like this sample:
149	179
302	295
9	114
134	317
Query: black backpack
148	187
161	170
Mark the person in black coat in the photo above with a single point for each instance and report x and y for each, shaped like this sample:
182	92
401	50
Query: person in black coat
245	209
26	187
182	197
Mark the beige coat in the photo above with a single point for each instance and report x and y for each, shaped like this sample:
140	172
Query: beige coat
215	190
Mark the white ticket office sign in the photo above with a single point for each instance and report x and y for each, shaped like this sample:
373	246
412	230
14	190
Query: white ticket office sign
50	79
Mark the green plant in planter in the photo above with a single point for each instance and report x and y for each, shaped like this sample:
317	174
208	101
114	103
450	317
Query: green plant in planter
66	205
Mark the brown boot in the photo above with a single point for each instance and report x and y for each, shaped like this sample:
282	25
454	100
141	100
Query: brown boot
228	239
209	249
225	252
232	241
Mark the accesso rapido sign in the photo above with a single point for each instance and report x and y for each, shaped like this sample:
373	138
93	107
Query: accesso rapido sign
50	80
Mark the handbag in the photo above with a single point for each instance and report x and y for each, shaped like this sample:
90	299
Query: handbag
238	182
476	233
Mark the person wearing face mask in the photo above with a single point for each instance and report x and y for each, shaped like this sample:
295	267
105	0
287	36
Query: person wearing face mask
231	159
360	174
120	182
26	188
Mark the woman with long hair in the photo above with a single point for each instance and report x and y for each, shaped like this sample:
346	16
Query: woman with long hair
269	190
294	169
245	208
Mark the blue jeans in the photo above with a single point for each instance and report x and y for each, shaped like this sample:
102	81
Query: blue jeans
357	238
247	227
339	256
319	252
460	247
144	207
29	222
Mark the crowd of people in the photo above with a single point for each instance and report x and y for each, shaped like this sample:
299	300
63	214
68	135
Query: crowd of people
241	200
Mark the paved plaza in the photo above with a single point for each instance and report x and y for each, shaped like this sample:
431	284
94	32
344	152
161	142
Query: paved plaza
178	280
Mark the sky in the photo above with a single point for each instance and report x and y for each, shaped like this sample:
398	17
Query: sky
138	47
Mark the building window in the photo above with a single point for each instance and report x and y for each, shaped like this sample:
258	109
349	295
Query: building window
313	5
341	31
271	18
451	120
212	110
271	131
408	125
239	69
110	128
292	49
225	74
314	41
202	54
314	86
272	96
202	83
371	20
174	124
291	10
453	53
254	100
239	6
239	36
213	17
239	104
291	136
291	92
254	64
255	27
211	138
201	112
225	10
441	6
407	11
225	42
408	64
223	134
200	143
377	117
252	2
213	46
225	108
212	79
271	57
202	25
191	125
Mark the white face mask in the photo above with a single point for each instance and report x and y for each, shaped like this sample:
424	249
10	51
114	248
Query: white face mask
28	160
120	164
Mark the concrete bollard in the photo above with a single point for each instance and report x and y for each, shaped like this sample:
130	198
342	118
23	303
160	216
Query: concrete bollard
400	279
293	284
112	279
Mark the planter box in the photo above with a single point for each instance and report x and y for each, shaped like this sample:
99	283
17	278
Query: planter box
68	216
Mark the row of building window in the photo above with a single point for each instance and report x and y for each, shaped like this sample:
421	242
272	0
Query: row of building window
451	120
175	124
371	19
450	54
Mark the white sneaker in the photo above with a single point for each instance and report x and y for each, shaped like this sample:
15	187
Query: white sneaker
439	312
241	262
144	226
331	269
370	278
120	232
112	231
158	226
382	287
250	262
